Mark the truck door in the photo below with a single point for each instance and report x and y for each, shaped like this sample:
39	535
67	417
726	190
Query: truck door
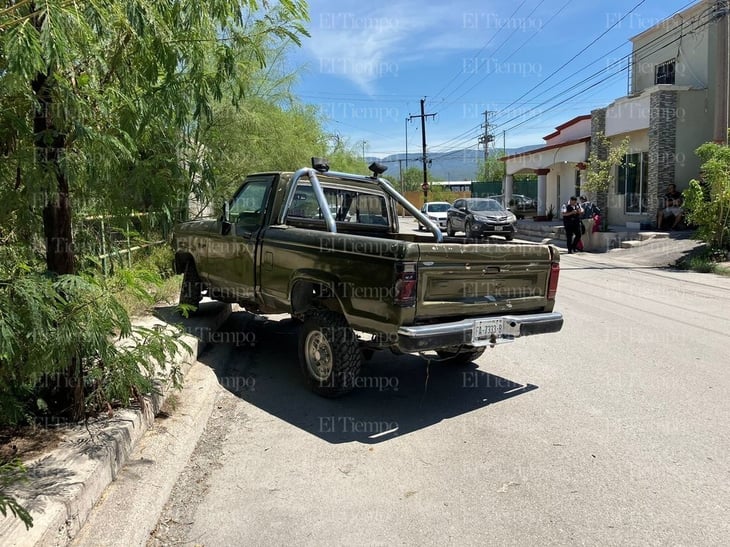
232	252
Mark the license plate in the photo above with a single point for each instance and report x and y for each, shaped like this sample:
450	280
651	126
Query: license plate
485	328
498	228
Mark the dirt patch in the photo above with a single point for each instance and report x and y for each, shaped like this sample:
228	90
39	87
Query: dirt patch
27	443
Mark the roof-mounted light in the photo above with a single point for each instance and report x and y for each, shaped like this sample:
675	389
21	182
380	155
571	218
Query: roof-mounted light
377	169
320	164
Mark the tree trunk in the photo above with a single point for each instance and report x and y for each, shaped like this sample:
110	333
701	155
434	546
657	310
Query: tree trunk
50	145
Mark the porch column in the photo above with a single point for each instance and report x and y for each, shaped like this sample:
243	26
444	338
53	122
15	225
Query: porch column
509	181
541	190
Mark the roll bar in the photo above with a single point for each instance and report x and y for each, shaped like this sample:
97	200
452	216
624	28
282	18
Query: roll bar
324	206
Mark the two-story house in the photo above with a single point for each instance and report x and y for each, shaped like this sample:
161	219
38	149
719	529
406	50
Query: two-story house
677	100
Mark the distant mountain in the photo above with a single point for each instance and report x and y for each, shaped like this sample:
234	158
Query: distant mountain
453	165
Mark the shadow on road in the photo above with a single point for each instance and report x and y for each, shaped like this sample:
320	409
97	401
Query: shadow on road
256	359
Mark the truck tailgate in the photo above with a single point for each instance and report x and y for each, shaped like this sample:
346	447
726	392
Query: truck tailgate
464	280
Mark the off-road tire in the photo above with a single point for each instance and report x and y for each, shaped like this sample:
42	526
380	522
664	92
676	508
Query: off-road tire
329	353
450	229
191	289
461	357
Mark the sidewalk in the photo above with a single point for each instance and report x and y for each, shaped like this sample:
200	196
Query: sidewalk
617	237
65	483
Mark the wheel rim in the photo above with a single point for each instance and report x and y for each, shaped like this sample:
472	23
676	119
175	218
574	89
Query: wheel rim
318	355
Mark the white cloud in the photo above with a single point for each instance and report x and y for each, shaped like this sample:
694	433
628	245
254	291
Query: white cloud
363	45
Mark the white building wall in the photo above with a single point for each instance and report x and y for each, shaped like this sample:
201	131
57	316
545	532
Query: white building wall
663	43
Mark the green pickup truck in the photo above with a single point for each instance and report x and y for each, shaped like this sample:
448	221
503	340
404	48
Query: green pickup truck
325	248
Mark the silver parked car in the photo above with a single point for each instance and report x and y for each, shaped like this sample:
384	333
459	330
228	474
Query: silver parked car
479	217
520	205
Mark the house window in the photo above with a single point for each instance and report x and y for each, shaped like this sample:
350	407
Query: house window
664	73
633	174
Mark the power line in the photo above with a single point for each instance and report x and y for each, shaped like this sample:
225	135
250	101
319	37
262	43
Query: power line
661	46
637	53
579	70
515	51
482	48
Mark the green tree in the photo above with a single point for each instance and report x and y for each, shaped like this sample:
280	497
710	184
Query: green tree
708	202
413	178
87	83
100	100
492	169
602	162
604	158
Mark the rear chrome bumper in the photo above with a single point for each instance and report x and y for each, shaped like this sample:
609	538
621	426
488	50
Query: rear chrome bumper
505	328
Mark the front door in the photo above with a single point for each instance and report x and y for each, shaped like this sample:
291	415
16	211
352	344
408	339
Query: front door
232	252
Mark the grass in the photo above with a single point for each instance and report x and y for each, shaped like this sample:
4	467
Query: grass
161	285
706	260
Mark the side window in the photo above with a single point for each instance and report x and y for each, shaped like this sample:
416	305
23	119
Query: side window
248	206
370	209
345	205
458	203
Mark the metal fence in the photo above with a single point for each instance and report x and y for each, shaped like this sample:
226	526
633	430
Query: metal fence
113	239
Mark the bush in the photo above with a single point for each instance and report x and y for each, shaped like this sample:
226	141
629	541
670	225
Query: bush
708	201
10	473
68	348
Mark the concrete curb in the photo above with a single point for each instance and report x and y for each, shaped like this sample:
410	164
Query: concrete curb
66	483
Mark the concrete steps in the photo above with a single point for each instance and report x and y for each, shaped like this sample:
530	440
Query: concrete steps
598	242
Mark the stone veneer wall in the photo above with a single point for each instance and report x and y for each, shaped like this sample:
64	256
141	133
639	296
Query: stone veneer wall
662	146
598	146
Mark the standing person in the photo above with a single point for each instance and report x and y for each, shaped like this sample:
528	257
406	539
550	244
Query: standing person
572	224
588	208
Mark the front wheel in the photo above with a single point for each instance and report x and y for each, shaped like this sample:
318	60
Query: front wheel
329	353
509	237
460	357
450	229
467	229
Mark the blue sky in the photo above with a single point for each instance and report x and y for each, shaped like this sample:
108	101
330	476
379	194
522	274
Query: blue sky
368	64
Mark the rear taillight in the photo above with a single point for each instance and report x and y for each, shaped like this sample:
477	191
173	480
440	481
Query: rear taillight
553	280
406	281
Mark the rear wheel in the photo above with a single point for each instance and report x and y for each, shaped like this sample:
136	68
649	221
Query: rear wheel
191	290
329	353
460	357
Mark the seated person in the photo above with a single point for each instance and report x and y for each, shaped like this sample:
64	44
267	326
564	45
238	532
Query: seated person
672	194
672	214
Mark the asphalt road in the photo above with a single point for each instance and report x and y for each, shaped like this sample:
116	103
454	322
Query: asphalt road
612	432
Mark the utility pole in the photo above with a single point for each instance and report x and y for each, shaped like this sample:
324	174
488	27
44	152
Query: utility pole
400	173
486	138
423	117
407	120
